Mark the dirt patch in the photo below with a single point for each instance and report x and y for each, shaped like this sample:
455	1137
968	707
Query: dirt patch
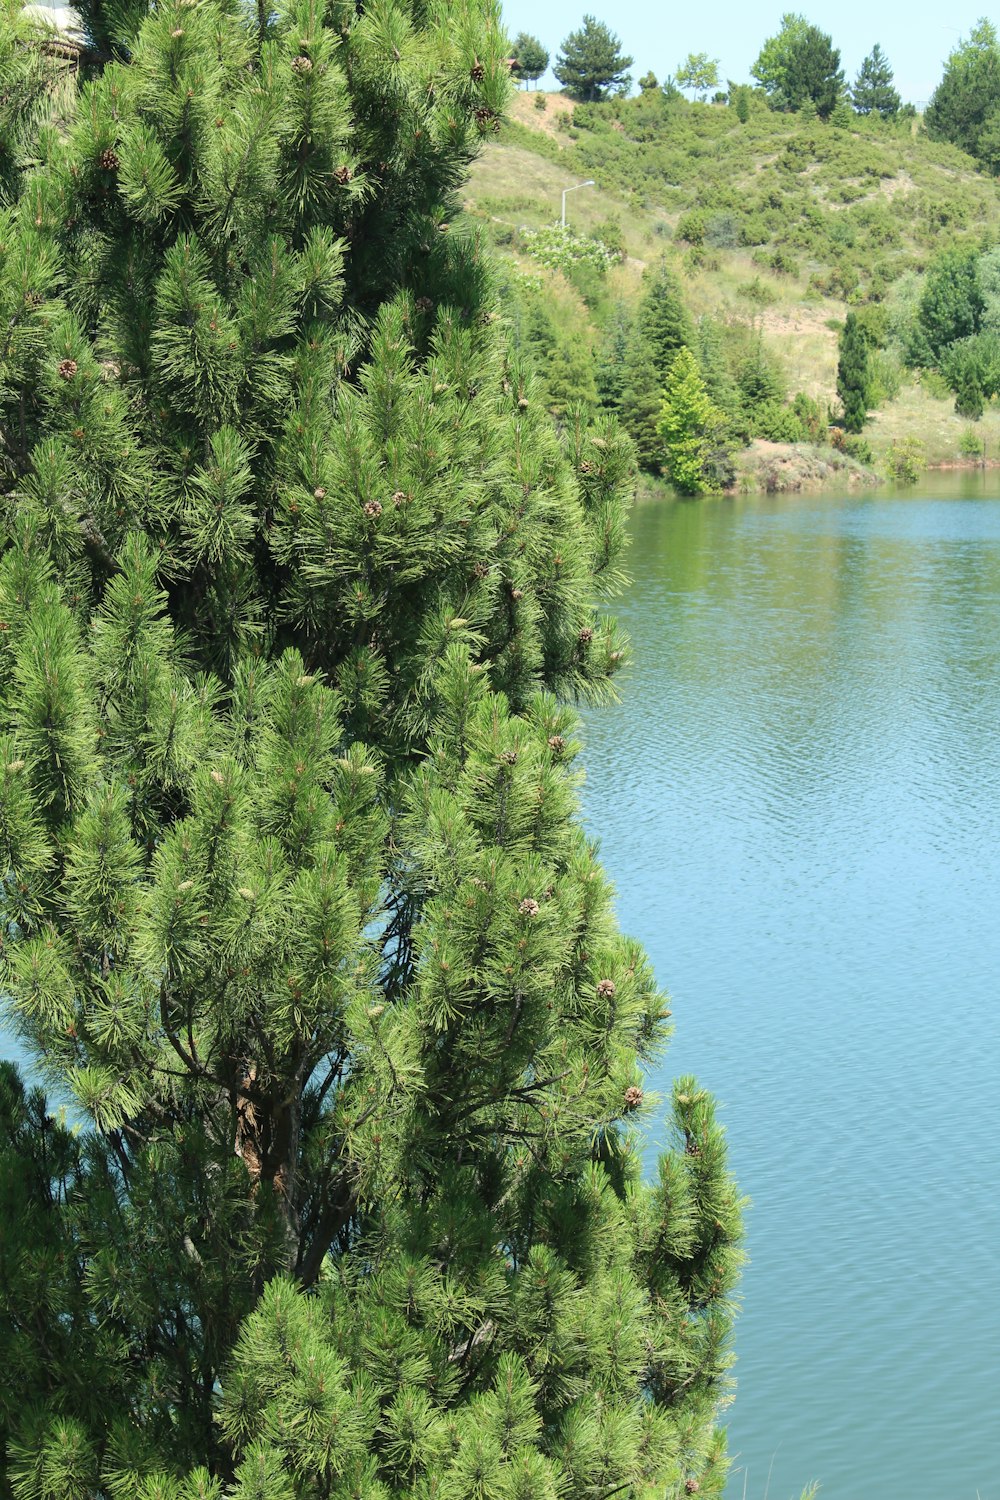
525	111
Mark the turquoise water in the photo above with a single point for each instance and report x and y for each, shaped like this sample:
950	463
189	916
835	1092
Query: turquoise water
799	801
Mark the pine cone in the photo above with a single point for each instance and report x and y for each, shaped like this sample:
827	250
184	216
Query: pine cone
302	65
68	368
508	757
319	493
481	570
517	594
692	1486
529	908
477	72
633	1096
342	175
424	305
109	159
606	991
557	745
522	403
585	466
400	498
373	509
585	636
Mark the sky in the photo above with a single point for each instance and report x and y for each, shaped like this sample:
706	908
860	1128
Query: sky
912	35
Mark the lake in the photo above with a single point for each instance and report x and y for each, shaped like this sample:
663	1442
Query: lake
799	802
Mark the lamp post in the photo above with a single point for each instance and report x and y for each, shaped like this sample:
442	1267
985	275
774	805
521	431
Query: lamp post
589	183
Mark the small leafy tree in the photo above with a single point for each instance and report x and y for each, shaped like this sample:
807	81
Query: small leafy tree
698	73
800	66
532	58
649	82
853	377
590	64
872	91
688	420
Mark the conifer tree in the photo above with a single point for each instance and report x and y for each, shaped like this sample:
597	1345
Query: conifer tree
688	420
853	378
872	91
590	65
296	584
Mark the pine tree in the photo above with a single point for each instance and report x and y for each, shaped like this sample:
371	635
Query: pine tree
688	421
663	318
872	91
590	65
296	583
853	378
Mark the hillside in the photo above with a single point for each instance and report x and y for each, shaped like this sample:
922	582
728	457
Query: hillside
778	223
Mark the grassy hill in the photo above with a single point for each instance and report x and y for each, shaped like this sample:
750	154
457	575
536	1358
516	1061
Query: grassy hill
779	222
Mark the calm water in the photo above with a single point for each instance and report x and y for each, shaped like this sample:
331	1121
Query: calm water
799	801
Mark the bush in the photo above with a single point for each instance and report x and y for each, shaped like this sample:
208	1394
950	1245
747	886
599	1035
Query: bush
971	444
905	460
691	227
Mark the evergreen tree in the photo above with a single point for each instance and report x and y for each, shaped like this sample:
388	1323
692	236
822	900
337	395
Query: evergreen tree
298	917
532	58
800	66
612	353
590	65
872	91
663	318
965	106
853	377
569	377
686	426
641	398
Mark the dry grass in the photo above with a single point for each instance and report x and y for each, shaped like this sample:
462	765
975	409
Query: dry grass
916	413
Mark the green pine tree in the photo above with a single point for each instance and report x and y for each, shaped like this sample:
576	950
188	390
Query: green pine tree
853	377
663	319
872	91
688	421
589	64
296	584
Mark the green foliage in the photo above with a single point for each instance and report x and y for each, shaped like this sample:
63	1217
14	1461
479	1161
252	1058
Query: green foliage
853	374
590	65
532	57
649	82
298	582
965	106
698	73
800	67
561	250
905	460
687	422
971	444
872	91
951	302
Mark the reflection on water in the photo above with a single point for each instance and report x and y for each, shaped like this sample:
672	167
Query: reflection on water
799	800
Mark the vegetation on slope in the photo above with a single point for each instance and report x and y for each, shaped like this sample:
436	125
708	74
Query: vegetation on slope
776	225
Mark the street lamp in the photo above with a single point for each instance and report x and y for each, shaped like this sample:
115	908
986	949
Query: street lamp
589	183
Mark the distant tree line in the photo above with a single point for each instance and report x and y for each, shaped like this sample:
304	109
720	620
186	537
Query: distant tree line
798	68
